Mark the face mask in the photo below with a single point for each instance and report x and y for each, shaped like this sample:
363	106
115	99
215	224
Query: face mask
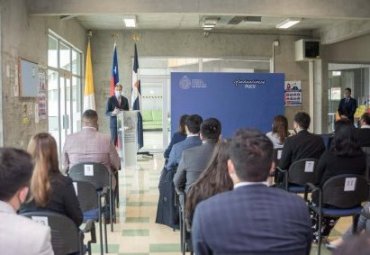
117	93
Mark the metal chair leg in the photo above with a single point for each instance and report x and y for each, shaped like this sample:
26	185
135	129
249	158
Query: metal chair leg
319	241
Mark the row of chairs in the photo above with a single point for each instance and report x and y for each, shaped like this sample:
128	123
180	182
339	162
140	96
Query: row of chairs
340	196
93	187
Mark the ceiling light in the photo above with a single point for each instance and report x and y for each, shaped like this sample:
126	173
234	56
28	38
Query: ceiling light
288	23
130	21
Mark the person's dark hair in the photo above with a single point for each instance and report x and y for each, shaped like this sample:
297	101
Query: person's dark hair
303	120
15	171
90	116
344	141
193	123
182	129
280	127
252	154
211	129
44	152
357	244
349	90
366	118
213	180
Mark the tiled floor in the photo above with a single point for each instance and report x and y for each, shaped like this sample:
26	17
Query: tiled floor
136	232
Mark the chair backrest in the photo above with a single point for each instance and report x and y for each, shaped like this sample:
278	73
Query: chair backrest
65	236
345	191
277	155
86	195
95	173
367	152
303	171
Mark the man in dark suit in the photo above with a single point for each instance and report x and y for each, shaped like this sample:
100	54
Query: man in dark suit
115	104
347	105
303	144
363	134
195	160
192	126
252	218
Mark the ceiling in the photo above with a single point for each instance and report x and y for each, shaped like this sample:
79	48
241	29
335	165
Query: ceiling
194	21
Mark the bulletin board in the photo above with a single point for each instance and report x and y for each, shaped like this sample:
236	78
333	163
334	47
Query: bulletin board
29	79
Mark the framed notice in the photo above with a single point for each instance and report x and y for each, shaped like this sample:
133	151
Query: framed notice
293	93
29	79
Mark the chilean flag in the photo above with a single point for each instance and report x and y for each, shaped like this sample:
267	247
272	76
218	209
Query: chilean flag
115	76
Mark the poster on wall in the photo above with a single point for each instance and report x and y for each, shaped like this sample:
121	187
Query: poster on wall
293	93
42	96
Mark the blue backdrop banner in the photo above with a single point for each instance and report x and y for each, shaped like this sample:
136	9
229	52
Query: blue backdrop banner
236	99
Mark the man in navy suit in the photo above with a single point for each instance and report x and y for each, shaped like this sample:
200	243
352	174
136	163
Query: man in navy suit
192	126
347	105
252	218
115	104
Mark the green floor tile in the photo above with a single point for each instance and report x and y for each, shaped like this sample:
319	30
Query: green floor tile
133	253
137	220
112	248
165	247
135	232
141	204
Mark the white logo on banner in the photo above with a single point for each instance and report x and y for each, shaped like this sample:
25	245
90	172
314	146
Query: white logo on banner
185	82
350	184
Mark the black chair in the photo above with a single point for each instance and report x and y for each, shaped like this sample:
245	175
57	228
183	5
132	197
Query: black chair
90	203
340	196
300	172
367	153
66	238
98	175
185	229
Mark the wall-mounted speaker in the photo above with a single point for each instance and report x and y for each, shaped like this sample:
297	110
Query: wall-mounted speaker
307	49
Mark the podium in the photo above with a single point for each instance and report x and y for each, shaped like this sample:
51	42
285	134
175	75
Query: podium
127	137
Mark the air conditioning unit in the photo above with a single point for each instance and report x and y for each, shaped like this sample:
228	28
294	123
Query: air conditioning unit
307	49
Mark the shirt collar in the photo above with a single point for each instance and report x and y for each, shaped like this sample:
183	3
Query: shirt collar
6	207
191	135
89	128
365	126
242	184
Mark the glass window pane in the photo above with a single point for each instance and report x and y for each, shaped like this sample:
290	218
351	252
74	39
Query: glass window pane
53	102
76	62
65	57
76	104
53	52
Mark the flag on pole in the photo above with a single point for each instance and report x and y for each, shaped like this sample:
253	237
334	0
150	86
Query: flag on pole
136	99
89	93
115	76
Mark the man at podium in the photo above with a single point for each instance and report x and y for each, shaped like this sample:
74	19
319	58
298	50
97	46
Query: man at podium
115	104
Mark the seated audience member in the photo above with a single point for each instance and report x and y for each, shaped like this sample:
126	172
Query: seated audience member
213	180
363	133
194	160
357	245
303	144
192	126
18	235
179	136
89	145
344	157
279	131
363	224
253	218
50	190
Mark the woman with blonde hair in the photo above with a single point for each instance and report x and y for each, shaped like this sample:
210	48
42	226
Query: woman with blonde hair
50	190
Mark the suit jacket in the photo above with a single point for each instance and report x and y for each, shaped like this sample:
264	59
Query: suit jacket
177	149
89	145
299	146
348	109
21	236
363	136
62	199
253	219
192	164
113	103
176	138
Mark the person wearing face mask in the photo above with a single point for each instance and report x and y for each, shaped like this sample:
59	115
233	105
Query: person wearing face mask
115	104
19	235
303	144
